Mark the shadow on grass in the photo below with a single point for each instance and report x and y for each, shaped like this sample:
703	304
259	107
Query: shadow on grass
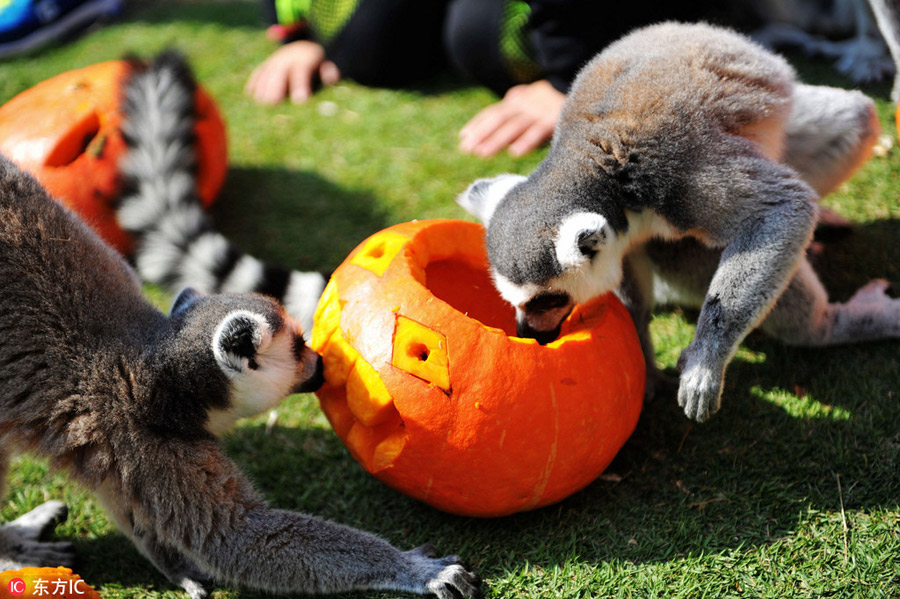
869	251
112	560
293	218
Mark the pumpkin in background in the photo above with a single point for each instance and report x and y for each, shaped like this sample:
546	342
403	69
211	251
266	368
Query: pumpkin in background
65	132
57	583
431	392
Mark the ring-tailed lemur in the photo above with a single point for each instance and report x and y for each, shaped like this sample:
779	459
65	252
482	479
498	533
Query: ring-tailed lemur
685	167
130	401
177	244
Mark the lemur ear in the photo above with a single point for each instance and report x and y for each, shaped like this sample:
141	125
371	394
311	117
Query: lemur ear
184	300
580	237
484	195
239	339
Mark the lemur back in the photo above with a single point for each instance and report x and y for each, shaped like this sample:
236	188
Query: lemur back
659	82
177	242
131	403
67	300
686	165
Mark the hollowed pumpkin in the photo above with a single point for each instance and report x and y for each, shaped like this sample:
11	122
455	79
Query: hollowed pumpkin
65	131
432	393
49	583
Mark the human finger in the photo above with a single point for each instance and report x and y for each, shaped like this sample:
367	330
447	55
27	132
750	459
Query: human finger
300	82
500	138
272	86
532	138
482	126
329	73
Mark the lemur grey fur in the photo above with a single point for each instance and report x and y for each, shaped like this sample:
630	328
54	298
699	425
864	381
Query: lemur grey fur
131	402
685	167
177	243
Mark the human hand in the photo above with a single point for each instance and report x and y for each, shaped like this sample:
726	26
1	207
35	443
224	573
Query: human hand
290	72
521	121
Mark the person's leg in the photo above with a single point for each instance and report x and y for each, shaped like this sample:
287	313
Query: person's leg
381	42
502	43
488	42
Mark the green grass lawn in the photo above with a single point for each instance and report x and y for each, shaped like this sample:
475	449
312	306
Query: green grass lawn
792	490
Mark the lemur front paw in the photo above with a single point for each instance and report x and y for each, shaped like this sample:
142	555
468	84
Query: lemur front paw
194	588
444	577
699	388
20	542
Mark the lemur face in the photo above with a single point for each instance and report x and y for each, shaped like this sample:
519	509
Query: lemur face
545	257
264	362
259	348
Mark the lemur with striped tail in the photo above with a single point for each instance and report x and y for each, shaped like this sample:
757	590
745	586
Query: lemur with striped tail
131	401
177	243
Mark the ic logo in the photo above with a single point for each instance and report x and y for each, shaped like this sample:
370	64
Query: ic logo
16	587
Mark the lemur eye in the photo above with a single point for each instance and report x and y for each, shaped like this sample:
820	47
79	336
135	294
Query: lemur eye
547	301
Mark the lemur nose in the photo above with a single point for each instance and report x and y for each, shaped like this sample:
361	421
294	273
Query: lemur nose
523	329
314	381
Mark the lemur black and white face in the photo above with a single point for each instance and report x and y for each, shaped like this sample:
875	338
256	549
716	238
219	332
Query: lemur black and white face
261	351
546	256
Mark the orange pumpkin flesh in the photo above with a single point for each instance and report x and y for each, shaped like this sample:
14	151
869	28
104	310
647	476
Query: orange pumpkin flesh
65	131
432	394
70	586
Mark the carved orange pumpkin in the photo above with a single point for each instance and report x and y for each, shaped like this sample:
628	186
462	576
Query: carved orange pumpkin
65	131
432	393
53	583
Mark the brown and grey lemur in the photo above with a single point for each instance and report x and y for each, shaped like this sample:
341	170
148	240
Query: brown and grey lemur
686	167
131	401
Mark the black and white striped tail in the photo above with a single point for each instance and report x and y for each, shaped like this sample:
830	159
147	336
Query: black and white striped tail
176	242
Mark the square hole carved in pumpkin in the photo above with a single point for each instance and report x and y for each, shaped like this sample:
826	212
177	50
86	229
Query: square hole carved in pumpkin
422	352
379	251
